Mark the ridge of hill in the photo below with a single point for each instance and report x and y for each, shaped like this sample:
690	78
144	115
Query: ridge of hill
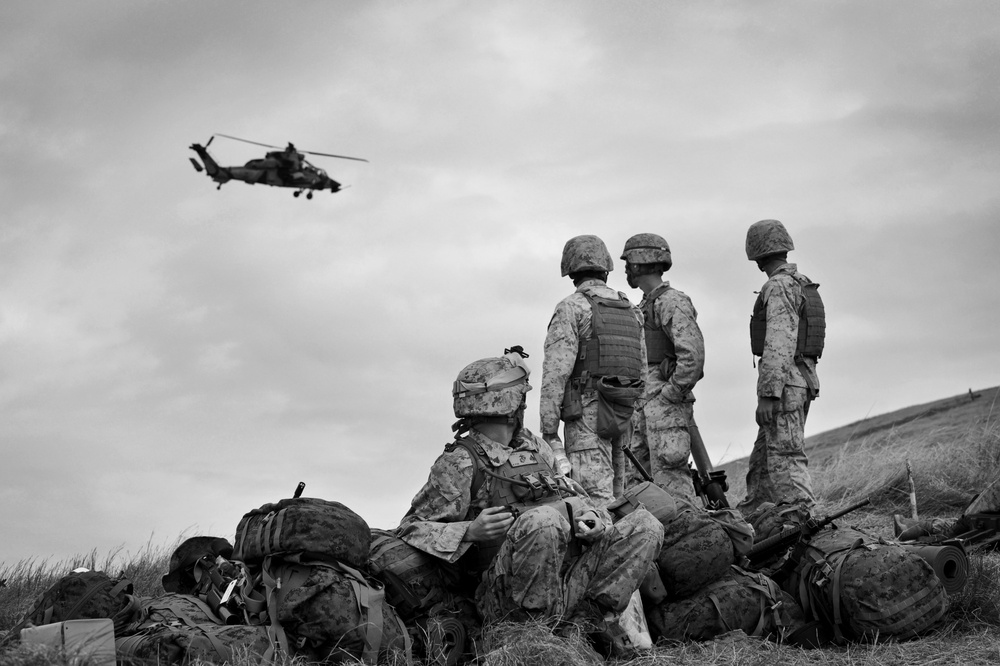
939	419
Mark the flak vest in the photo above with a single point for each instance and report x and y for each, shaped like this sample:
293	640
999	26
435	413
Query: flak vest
812	322
613	348
659	347
523	482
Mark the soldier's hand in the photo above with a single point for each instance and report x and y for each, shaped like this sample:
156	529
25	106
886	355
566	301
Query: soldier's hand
490	525
589	526
766	409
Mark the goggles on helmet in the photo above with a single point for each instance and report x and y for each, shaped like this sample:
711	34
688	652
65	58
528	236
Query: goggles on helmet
509	377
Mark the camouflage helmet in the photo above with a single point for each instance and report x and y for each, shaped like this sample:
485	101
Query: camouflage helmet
646	249
586	253
767	237
491	387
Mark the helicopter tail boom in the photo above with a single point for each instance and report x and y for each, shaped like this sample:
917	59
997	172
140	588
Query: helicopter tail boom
212	168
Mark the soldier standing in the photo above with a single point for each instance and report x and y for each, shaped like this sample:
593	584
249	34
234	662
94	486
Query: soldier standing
787	331
534	544
675	352
595	357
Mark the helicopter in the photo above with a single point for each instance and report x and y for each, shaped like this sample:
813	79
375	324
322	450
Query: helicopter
282	167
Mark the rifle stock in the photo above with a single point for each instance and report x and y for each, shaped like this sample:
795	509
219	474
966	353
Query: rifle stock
766	548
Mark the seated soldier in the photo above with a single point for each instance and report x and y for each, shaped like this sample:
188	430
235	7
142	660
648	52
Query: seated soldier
534	544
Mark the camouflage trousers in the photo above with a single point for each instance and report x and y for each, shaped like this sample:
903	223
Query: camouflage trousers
537	573
661	443
779	469
591	455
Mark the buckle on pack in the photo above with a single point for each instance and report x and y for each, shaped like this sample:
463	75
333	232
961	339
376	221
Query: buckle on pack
532	481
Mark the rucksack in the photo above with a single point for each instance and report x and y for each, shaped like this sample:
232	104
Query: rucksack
329	611
182	644
80	595
865	588
414	580
751	602
697	550
317	528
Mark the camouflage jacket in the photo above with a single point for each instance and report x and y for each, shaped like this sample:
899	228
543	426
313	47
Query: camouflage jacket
441	512
782	298
570	323
674	314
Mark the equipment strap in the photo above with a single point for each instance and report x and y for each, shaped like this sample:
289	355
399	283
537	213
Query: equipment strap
369	600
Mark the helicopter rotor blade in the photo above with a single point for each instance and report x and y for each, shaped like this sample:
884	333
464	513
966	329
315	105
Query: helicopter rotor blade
256	143
209	142
342	157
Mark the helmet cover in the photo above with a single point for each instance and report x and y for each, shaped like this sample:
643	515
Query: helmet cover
586	253
767	237
491	387
646	249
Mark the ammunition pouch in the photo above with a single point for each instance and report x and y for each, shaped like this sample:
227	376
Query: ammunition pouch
572	404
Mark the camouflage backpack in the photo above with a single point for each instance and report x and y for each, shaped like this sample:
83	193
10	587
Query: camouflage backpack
80	594
414	581
864	588
319	529
751	602
697	550
330	612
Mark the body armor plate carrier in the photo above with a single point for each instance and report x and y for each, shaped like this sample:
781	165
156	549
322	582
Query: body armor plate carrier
812	322
523	482
613	348
658	346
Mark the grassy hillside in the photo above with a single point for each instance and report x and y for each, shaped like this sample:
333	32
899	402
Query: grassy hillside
952	444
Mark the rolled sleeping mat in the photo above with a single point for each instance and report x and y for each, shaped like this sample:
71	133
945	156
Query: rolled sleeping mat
949	562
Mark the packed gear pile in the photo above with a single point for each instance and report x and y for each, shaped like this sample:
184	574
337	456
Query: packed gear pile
308	577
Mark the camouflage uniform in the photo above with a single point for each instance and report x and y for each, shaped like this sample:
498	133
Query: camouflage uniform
778	468
536	572
590	454
660	439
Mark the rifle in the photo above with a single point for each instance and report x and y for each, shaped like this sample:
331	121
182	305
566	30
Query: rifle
638	465
766	548
709	484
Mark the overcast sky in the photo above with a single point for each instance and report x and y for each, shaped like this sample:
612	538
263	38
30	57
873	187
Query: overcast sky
172	356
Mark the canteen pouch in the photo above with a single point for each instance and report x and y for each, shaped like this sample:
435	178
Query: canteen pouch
615	405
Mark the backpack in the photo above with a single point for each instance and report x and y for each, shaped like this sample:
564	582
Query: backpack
865	588
697	550
414	581
182	644
751	602
317	528
329	611
80	595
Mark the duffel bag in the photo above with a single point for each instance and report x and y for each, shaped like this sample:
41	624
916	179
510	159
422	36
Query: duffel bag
318	528
865	588
751	602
